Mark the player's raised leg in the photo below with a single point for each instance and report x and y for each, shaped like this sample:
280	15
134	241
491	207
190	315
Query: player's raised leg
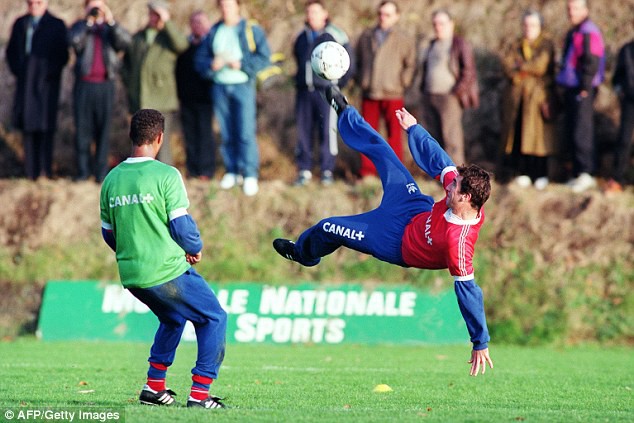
360	136
379	231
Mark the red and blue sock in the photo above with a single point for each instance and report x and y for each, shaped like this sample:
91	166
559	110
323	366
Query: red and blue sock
156	376
200	387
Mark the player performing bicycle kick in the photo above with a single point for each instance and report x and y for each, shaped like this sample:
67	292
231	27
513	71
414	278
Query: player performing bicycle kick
408	228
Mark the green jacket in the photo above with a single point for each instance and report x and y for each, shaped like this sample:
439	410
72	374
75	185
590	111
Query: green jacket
148	69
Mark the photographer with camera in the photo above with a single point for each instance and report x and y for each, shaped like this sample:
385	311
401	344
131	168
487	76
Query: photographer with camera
96	40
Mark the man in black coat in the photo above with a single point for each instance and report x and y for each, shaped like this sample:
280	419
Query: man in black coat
37	52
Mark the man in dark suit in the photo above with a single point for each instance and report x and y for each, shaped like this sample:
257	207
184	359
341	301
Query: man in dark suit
37	52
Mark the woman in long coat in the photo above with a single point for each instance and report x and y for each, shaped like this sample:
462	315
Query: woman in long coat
527	106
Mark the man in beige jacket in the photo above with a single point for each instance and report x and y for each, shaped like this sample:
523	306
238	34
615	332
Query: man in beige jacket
386	60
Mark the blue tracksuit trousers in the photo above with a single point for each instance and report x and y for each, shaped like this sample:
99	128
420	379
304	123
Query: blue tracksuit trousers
188	297
378	232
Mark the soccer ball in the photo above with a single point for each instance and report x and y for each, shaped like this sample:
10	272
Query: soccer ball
330	60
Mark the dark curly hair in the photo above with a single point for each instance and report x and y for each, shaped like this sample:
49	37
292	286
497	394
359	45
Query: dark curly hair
146	125
476	182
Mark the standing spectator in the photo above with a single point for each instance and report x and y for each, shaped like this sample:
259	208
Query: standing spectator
227	59
37	53
449	84
582	70
96	40
527	130
386	60
623	81
310	109
194	95
149	65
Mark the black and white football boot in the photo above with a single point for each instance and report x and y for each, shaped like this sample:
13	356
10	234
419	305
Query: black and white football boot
209	402
336	99
151	397
287	249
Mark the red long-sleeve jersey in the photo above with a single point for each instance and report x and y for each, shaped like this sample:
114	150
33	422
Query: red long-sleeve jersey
438	239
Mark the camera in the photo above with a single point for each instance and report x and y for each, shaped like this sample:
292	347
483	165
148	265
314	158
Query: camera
94	12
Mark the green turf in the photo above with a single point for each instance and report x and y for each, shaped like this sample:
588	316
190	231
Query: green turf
331	383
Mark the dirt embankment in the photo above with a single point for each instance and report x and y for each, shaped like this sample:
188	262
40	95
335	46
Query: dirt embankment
557	229
555	226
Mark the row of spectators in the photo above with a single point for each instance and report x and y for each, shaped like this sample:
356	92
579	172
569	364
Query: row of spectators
212	73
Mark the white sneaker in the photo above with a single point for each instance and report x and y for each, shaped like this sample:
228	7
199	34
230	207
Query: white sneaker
327	178
303	178
250	187
523	181
541	183
230	180
583	182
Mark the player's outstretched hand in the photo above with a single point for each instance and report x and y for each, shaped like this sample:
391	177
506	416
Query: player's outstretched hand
479	359
193	259
405	118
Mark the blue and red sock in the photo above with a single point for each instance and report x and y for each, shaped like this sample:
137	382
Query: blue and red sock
156	376
200	387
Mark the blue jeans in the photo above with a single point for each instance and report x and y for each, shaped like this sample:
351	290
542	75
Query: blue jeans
378	232
188	297
235	110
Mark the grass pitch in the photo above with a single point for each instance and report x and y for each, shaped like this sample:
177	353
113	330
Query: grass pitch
330	383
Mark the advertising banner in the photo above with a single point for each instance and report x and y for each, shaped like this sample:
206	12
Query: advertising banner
261	313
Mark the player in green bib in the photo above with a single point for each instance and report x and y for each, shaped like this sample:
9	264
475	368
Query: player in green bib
145	221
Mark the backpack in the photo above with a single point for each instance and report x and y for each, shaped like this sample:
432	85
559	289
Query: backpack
273	73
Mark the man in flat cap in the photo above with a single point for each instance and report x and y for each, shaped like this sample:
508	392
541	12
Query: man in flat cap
148	69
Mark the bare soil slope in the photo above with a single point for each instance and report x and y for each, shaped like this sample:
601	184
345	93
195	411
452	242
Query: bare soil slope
560	232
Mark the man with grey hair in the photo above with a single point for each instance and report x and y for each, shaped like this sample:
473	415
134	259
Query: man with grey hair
449	84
